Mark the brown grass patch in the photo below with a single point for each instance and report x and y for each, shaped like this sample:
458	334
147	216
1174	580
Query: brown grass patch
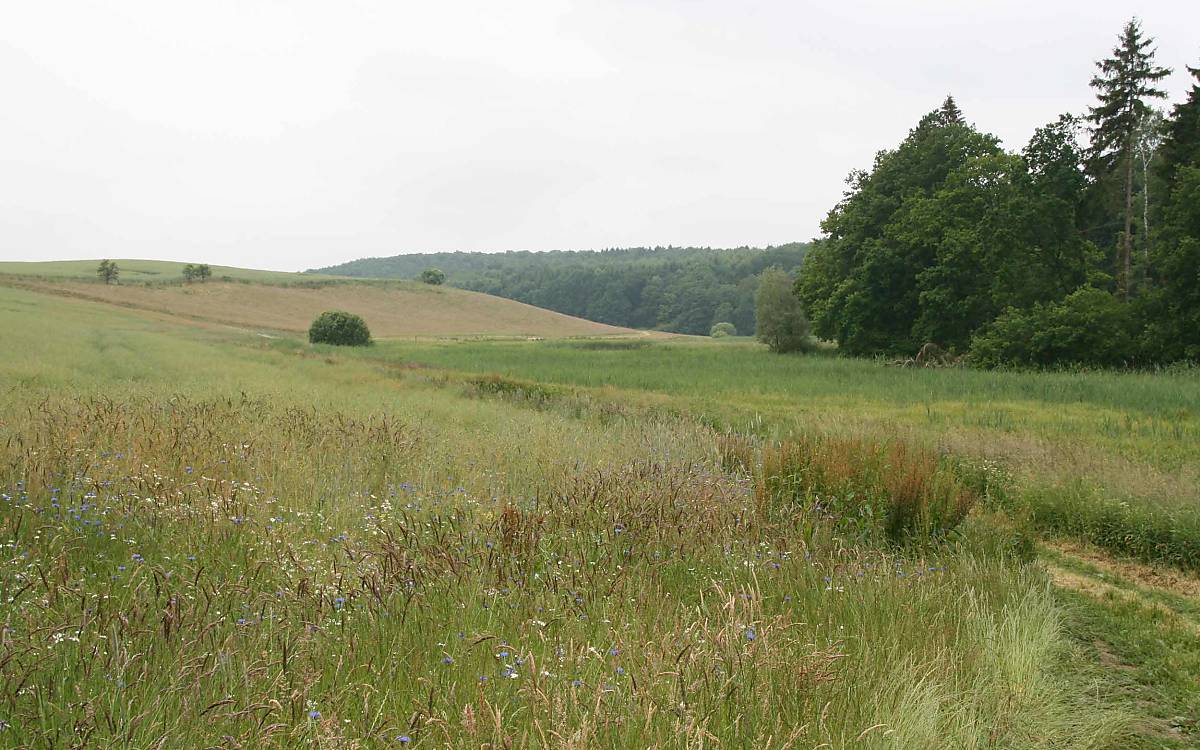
391	311
1153	577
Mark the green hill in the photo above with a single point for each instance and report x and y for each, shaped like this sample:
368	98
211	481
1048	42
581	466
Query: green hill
685	290
145	271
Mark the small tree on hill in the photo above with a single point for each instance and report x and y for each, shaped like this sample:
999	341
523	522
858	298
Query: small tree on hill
782	325
433	276
108	271
341	328
196	271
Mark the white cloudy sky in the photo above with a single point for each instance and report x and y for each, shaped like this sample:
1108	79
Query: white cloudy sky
289	134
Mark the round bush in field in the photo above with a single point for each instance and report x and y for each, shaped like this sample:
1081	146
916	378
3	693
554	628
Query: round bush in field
722	329
337	327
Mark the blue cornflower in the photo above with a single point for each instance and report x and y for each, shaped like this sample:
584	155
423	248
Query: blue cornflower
448	660
314	714
750	634
404	739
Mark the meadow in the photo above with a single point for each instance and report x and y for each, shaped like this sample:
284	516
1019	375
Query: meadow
1113	458
141	271
215	539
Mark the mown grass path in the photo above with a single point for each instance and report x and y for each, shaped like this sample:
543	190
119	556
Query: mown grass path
1141	624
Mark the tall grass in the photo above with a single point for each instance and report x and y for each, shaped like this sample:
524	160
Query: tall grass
185	572
1107	457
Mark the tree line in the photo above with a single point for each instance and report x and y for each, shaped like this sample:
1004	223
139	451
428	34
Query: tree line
1082	248
680	289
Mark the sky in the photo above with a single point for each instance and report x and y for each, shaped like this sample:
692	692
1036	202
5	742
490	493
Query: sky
289	134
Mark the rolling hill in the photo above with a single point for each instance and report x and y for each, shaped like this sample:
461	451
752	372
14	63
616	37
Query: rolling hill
147	271
280	302
680	289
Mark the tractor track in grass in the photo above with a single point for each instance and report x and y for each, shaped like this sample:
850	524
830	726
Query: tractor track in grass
1141	625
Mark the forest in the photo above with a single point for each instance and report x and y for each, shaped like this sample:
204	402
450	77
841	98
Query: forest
1081	249
679	289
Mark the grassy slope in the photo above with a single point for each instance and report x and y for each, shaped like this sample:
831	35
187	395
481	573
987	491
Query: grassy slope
146	271
391	310
216	541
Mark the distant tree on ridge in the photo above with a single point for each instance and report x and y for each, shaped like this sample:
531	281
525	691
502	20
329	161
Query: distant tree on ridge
108	271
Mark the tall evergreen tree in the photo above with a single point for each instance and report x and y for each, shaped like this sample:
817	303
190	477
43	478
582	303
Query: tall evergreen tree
1125	81
950	113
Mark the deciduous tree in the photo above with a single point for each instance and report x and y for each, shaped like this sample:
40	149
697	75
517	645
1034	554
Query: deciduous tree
782	325
108	271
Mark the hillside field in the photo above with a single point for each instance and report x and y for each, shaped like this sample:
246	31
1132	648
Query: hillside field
147	271
392	309
216	539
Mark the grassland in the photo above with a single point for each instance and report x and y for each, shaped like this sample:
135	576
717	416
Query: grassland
214	539
1128	436
134	271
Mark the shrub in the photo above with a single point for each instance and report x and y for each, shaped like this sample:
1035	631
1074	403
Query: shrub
722	329
433	276
1088	327
337	327
194	271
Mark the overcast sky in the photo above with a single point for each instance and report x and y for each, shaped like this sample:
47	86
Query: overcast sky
291	134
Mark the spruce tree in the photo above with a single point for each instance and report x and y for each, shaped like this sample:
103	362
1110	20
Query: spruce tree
1125	81
950	113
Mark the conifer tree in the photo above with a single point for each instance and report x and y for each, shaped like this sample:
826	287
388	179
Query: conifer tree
950	113
1125	81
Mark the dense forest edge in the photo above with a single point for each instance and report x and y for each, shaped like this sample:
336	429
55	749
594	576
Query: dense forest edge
1082	248
678	289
